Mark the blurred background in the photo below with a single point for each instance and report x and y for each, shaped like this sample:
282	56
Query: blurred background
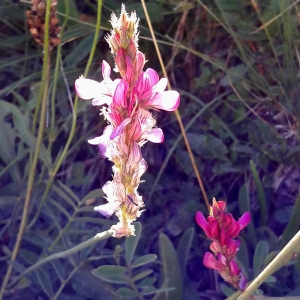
236	66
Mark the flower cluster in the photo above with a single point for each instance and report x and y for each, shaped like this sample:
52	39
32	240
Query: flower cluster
222	229
128	100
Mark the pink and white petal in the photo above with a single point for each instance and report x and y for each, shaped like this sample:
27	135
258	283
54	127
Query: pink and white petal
118	130
107	209
153	76
88	88
135	155
102	99
209	261
119	97
106	69
155	135
168	100
96	141
160	86
142	167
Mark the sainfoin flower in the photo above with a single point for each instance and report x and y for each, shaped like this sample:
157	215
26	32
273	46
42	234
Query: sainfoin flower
222	229
125	103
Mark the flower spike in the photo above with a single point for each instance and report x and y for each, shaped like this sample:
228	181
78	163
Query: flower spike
222	229
126	102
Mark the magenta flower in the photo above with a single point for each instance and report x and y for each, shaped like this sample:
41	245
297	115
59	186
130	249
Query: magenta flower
222	229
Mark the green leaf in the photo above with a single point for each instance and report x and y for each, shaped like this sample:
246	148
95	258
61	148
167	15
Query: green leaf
293	225
126	293
261	194
228	291
171	268
45	282
260	254
149	290
21	123
146	282
131	243
142	275
183	249
233	75
143	260
243	256
114	274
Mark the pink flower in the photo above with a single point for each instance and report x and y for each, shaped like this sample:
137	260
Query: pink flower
150	92
115	195
222	228
100	92
209	261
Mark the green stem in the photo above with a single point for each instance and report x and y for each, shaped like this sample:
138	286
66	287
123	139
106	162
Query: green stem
284	256
95	239
176	112
43	93
73	127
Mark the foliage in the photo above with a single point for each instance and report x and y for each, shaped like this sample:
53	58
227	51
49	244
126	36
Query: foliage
236	65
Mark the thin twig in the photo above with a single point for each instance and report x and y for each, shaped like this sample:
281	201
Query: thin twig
176	111
283	257
74	121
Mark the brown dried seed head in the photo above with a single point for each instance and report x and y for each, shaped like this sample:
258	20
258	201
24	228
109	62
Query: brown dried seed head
36	22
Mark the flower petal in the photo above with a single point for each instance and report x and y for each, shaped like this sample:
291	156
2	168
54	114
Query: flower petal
168	100
153	76
96	141
102	99
209	261
244	220
107	209
118	130
119	97
88	88
201	221
155	135
106	70
160	86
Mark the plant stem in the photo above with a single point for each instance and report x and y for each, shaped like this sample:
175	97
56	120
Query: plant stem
73	127
284	256
176	111
44	88
98	237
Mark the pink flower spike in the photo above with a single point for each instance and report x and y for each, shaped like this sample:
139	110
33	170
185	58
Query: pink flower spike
168	100
118	130
244	220
209	261
155	135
